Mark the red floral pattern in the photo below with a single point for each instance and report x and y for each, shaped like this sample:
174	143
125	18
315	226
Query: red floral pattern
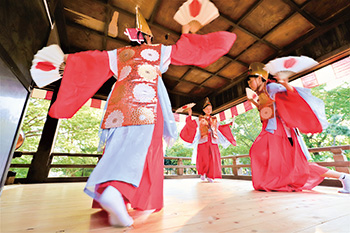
135	92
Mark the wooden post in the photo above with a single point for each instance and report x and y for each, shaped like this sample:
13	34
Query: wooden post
41	162
338	155
180	171
234	166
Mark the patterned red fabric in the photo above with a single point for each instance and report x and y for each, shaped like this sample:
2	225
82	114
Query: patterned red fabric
84	74
134	97
206	123
201	50
296	112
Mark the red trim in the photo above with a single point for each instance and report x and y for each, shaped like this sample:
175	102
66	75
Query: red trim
234	111
222	116
95	103
48	95
247	106
309	81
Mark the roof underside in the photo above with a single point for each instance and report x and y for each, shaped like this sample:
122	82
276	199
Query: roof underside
265	29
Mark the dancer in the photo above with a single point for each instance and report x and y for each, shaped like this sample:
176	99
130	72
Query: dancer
138	112
279	156
204	136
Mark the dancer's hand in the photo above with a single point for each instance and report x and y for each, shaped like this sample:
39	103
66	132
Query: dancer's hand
190	111
284	82
186	29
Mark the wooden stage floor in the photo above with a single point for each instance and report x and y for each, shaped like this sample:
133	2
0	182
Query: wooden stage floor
190	206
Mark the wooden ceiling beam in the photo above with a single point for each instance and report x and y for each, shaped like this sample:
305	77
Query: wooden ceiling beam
296	8
106	26
60	22
248	32
317	32
249	11
155	11
186	81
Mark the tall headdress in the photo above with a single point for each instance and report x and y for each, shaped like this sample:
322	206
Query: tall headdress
257	68
134	34
206	103
141	23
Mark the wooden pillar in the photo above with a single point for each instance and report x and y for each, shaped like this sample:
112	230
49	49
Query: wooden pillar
41	162
180	171
338	155
234	166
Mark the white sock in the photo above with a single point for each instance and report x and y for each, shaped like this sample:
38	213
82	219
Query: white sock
210	180
345	180
202	177
112	201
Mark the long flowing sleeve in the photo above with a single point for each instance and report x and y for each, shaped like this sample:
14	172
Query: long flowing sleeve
300	109
84	74
189	131
225	130
201	50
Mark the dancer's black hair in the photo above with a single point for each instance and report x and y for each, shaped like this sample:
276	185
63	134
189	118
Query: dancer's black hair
135	43
271	79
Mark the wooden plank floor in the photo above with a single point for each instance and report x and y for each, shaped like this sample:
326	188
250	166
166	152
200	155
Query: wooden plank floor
190	206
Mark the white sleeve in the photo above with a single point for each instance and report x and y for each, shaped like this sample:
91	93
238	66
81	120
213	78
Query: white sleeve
165	58
113	62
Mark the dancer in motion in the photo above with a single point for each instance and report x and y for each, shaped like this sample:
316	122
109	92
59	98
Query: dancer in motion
138	112
279	157
204	136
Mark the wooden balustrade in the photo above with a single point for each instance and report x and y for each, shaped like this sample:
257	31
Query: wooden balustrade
178	169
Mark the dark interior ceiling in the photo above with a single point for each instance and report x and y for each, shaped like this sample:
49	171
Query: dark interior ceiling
265	29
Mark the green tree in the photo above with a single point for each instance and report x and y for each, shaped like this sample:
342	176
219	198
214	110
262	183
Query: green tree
245	128
32	127
76	135
337	111
33	123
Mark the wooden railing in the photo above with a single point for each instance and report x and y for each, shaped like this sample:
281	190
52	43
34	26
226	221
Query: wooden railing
340	164
180	167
